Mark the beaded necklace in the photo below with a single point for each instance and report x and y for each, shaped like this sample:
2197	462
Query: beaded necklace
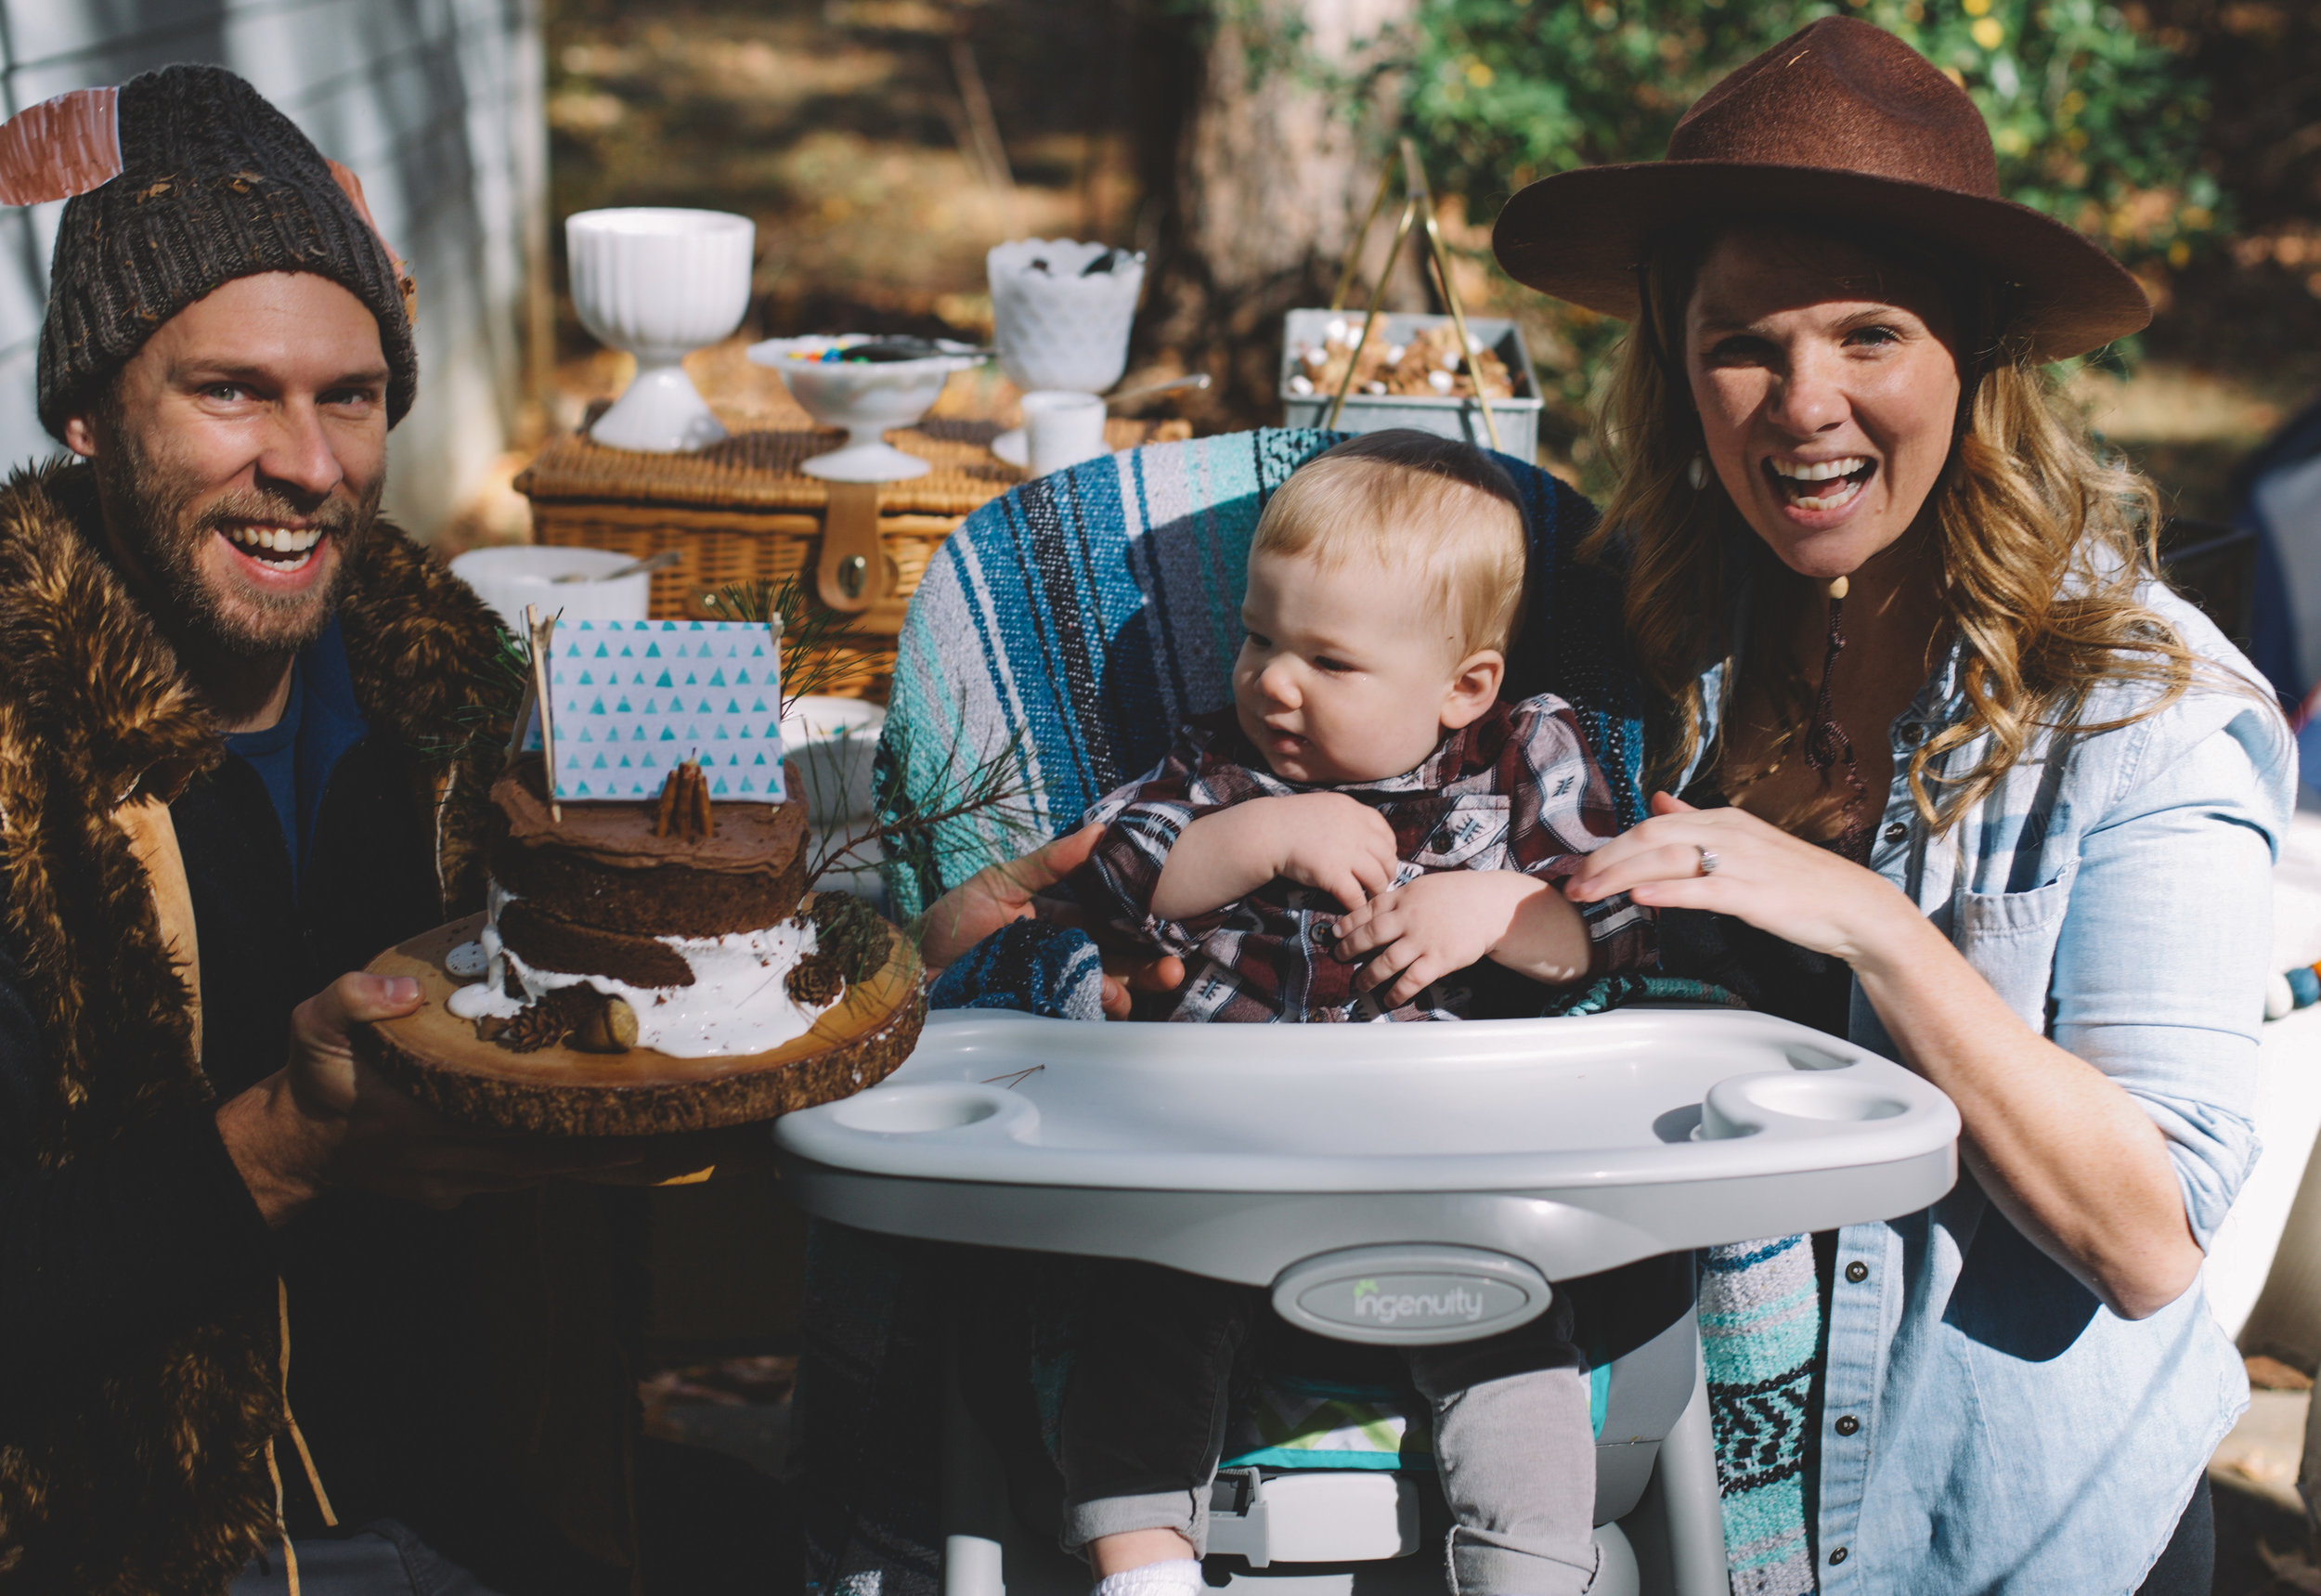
1827	747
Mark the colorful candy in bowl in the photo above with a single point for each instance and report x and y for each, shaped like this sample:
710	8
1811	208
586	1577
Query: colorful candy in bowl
869	386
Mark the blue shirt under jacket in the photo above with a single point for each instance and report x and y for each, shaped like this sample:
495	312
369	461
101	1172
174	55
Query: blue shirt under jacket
2008	1433
295	756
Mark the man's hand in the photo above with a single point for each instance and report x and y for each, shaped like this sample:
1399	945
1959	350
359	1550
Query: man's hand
329	1120
1430	928
1001	894
1327	841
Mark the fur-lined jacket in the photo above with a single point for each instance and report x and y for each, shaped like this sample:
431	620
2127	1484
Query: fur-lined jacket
156	934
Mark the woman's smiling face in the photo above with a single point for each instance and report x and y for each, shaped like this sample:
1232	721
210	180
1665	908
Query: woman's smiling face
1827	389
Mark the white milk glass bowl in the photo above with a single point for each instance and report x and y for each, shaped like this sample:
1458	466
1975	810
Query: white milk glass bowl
1054	327
659	283
865	398
509	579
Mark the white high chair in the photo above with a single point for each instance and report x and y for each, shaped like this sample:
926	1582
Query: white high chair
1065	629
1452	1172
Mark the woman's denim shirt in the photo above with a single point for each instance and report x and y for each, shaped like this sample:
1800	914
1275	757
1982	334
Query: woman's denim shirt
1987	1424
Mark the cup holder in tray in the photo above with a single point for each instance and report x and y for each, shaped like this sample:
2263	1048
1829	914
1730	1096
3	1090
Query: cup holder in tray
934	1106
1746	1104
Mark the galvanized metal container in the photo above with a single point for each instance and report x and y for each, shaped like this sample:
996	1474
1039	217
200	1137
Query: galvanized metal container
1518	417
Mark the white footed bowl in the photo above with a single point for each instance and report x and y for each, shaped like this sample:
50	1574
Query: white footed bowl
865	399
1056	329
659	283
509	579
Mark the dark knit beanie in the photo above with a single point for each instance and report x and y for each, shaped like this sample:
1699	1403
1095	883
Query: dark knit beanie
215	184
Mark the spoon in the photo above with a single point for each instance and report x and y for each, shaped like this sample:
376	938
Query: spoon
1198	380
660	562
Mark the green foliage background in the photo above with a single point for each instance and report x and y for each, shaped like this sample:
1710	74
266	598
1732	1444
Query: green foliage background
2097	119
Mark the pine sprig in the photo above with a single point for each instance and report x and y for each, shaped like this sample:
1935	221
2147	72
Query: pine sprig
811	635
480	727
998	792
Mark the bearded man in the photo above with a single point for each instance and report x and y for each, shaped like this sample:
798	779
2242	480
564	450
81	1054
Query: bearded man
227	691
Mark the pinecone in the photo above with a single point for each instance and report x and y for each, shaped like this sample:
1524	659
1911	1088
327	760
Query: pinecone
814	981
543	1023
851	934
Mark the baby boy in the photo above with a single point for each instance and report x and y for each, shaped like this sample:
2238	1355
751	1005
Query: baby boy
1368	822
1369	833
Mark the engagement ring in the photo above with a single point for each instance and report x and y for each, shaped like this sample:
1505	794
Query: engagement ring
1708	860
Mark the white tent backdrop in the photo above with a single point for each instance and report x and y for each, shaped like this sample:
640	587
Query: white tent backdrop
2265	1266
437	105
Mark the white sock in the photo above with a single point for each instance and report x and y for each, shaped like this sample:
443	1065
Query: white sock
1178	1577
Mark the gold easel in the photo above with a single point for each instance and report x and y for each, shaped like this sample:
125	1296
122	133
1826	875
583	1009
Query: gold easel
1418	206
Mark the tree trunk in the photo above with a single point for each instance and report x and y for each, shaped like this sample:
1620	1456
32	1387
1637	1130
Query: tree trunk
1288	109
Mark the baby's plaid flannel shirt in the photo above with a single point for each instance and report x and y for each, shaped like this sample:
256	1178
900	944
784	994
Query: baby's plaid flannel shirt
1516	790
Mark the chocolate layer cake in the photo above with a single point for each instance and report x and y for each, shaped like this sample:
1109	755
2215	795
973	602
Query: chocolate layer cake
611	927
602	865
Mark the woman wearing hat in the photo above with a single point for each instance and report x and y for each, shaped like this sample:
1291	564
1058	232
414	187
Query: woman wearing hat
1962	781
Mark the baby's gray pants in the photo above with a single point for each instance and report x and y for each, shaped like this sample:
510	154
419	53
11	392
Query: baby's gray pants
1150	1396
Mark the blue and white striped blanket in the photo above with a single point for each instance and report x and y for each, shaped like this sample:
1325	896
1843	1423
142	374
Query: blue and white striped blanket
1072	625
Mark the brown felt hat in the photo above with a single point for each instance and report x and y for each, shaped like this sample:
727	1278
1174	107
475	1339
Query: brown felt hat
1839	120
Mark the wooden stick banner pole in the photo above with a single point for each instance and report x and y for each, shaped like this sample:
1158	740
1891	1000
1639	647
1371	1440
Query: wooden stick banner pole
543	635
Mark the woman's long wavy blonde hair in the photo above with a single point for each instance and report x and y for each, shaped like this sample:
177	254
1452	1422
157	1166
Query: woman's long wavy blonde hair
2042	545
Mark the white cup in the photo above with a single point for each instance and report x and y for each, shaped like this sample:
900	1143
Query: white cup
831	744
511	578
1062	428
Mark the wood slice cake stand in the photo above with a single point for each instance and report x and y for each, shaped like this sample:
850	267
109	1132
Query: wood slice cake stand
437	1058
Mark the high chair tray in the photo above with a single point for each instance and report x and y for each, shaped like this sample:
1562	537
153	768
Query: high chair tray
1233	1151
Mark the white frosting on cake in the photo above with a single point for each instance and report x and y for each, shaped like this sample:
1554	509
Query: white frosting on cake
739	1002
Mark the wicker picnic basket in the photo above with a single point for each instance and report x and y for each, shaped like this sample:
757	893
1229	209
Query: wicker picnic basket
741	510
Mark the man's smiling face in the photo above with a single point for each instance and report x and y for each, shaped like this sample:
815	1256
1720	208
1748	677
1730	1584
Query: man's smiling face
240	455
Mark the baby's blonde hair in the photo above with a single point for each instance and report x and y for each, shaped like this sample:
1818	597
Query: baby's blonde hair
1445	507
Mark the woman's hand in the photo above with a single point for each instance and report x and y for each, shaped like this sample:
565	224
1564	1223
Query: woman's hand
1000	894
2075	1163
1776	882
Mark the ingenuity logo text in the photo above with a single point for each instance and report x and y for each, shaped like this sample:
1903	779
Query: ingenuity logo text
1458	1304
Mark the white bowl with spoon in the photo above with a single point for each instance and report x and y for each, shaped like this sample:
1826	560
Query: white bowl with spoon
523	574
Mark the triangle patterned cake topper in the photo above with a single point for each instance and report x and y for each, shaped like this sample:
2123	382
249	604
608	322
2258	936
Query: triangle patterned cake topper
622	714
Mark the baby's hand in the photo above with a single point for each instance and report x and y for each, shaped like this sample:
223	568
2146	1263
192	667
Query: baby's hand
1427	928
1324	840
1330	842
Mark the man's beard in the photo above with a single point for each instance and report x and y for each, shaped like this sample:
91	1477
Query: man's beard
150	506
